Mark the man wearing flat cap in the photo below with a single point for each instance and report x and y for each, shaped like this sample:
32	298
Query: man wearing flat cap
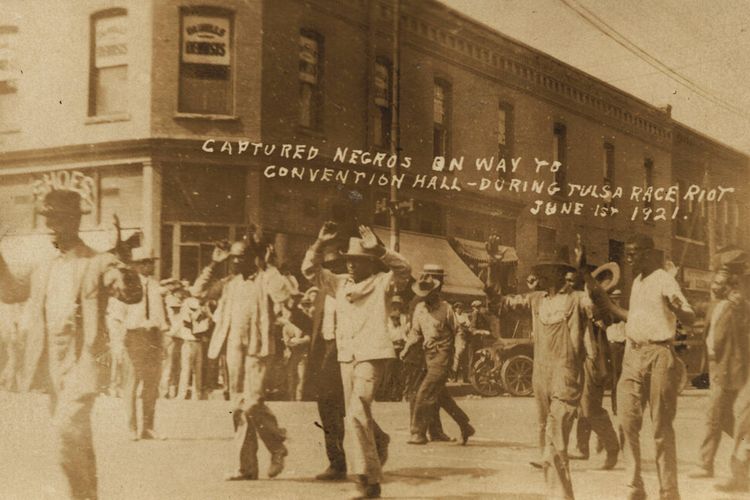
65	329
362	339
144	324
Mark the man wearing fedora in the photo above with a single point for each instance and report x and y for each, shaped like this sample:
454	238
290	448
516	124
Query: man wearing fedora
245	320
650	369
435	326
65	329
364	346
144	324
561	319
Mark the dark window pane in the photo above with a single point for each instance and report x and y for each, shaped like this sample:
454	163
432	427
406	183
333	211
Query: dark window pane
205	89
204	234
166	250
189	262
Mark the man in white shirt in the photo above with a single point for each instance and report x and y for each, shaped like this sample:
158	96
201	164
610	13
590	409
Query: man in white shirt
143	323
650	369
362	338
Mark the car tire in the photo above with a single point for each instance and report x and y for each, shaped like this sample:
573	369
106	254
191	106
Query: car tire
484	377
516	375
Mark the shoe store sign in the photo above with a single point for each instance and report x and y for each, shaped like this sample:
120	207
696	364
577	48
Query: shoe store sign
66	180
205	40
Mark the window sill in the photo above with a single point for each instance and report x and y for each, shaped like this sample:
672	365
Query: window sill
310	132
209	117
690	240
118	117
10	130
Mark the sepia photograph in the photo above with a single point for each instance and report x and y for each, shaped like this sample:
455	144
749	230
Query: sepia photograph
409	249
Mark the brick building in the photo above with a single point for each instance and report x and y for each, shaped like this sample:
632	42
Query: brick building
127	92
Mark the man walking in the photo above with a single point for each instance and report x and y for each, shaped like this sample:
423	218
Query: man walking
362	340
67	301
436	327
245	318
144	324
650	371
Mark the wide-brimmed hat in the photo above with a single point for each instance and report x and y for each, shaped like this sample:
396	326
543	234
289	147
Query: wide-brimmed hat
62	202
476	303
608	275
557	257
357	250
142	254
425	285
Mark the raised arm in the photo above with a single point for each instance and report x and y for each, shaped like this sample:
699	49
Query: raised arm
399	266
312	264
120	281
206	286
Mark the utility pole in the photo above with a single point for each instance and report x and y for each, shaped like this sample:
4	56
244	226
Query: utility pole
395	129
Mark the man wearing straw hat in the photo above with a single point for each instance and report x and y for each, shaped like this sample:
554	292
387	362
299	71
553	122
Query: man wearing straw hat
65	328
436	327
362	339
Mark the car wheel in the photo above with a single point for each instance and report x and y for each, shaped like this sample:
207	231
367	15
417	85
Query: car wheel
484	377
516	375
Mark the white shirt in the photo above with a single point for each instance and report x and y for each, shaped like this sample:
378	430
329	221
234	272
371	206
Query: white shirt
328	327
62	295
649	317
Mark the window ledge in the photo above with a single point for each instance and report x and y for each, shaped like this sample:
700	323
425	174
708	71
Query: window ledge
690	240
311	132
209	117
10	130
118	117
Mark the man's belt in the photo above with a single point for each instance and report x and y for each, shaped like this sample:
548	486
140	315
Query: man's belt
637	345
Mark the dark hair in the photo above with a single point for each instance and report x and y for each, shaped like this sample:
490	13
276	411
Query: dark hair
642	241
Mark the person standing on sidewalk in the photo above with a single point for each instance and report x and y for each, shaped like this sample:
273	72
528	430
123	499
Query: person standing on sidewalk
144	324
650	369
727	345
364	346
436	327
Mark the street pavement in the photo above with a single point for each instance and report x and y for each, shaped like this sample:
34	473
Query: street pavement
198	450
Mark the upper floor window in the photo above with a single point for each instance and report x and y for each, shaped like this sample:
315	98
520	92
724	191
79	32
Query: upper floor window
311	79
648	180
441	118
505	137
382	96
9	74
559	150
108	80
609	164
206	60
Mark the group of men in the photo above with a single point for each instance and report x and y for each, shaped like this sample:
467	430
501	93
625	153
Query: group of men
356	329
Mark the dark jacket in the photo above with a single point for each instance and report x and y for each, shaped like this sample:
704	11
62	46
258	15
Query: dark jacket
729	365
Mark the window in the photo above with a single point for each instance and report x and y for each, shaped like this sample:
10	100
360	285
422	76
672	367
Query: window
559	147
546	238
382	96
441	118
609	164
108	80
310	79
206	76
648	180
505	137
8	78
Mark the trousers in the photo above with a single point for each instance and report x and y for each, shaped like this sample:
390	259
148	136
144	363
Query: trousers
71	421
191	366
650	376
253	419
362	433
593	416
330	401
142	366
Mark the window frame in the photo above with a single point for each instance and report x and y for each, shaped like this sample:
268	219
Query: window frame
92	114
560	153
506	150
317	124
383	114
10	82
445	127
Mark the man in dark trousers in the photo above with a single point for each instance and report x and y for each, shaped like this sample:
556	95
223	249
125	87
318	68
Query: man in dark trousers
67	301
322	380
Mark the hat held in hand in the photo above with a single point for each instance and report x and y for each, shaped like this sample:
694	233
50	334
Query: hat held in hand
425	285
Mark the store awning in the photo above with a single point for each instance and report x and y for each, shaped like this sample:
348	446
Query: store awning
420	249
475	250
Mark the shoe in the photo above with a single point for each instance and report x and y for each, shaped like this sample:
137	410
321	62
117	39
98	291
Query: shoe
701	473
443	437
236	476
331	474
611	460
382	447
466	432
367	490
536	465
150	434
733	485
417	439
277	462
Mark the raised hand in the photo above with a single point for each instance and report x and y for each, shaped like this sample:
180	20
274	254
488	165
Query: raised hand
220	253
492	245
328	232
369	240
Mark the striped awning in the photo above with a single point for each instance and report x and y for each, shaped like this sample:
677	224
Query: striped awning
474	250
